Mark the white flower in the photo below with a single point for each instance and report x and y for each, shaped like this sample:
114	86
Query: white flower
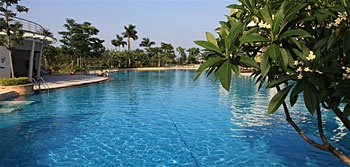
337	21
299	69
309	7
306	69
330	25
264	25
342	16
347	70
300	76
311	56
296	62
268	26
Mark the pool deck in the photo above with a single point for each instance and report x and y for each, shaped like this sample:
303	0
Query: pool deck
56	82
64	81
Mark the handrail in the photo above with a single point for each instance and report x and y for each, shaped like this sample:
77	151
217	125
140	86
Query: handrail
36	84
28	25
41	82
45	83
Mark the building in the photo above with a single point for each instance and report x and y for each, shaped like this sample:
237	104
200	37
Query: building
26	57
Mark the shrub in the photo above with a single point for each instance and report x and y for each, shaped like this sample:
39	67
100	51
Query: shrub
14	81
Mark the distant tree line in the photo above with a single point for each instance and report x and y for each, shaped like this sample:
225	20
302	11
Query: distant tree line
81	49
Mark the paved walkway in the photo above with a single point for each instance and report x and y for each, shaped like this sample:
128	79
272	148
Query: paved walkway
63	81
57	81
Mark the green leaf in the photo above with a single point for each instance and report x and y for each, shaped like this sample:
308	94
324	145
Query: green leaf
300	55
299	87
248	62
327	12
296	42
254	37
235	6
225	75
346	42
274	52
279	81
209	46
277	21
295	33
265	13
236	28
317	79
236	69
278	99
331	41
311	97
320	44
209	63
284	59
211	38
265	64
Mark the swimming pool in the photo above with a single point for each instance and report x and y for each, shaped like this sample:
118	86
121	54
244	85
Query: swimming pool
158	118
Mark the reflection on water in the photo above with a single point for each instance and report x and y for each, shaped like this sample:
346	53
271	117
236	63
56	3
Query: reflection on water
249	110
160	118
340	130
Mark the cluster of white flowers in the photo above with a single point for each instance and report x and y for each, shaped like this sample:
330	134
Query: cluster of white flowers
264	25
303	68
347	72
308	7
341	17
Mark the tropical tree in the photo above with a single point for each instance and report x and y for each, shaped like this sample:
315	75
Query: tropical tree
156	55
110	55
119	41
12	33
130	33
168	52
79	41
48	52
193	55
46	32
147	43
183	56
296	47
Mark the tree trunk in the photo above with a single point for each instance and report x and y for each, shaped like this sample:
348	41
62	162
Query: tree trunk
72	64
11	64
129	44
158	63
46	62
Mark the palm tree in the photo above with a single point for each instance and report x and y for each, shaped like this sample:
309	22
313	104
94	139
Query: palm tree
130	32
182	53
147	43
118	42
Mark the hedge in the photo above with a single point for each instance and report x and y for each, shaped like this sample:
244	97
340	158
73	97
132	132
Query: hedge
14	81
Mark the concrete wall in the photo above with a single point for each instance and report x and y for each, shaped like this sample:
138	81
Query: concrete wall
4	63
20	58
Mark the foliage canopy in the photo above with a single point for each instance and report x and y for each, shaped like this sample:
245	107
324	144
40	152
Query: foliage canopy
295	46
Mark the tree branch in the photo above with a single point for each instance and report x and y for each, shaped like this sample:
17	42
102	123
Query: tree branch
326	146
320	127
339	114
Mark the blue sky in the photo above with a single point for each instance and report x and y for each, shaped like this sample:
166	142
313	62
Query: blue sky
178	22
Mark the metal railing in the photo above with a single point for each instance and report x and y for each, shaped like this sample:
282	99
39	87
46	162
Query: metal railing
38	85
28	25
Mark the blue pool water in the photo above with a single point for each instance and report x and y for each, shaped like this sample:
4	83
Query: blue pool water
160	118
